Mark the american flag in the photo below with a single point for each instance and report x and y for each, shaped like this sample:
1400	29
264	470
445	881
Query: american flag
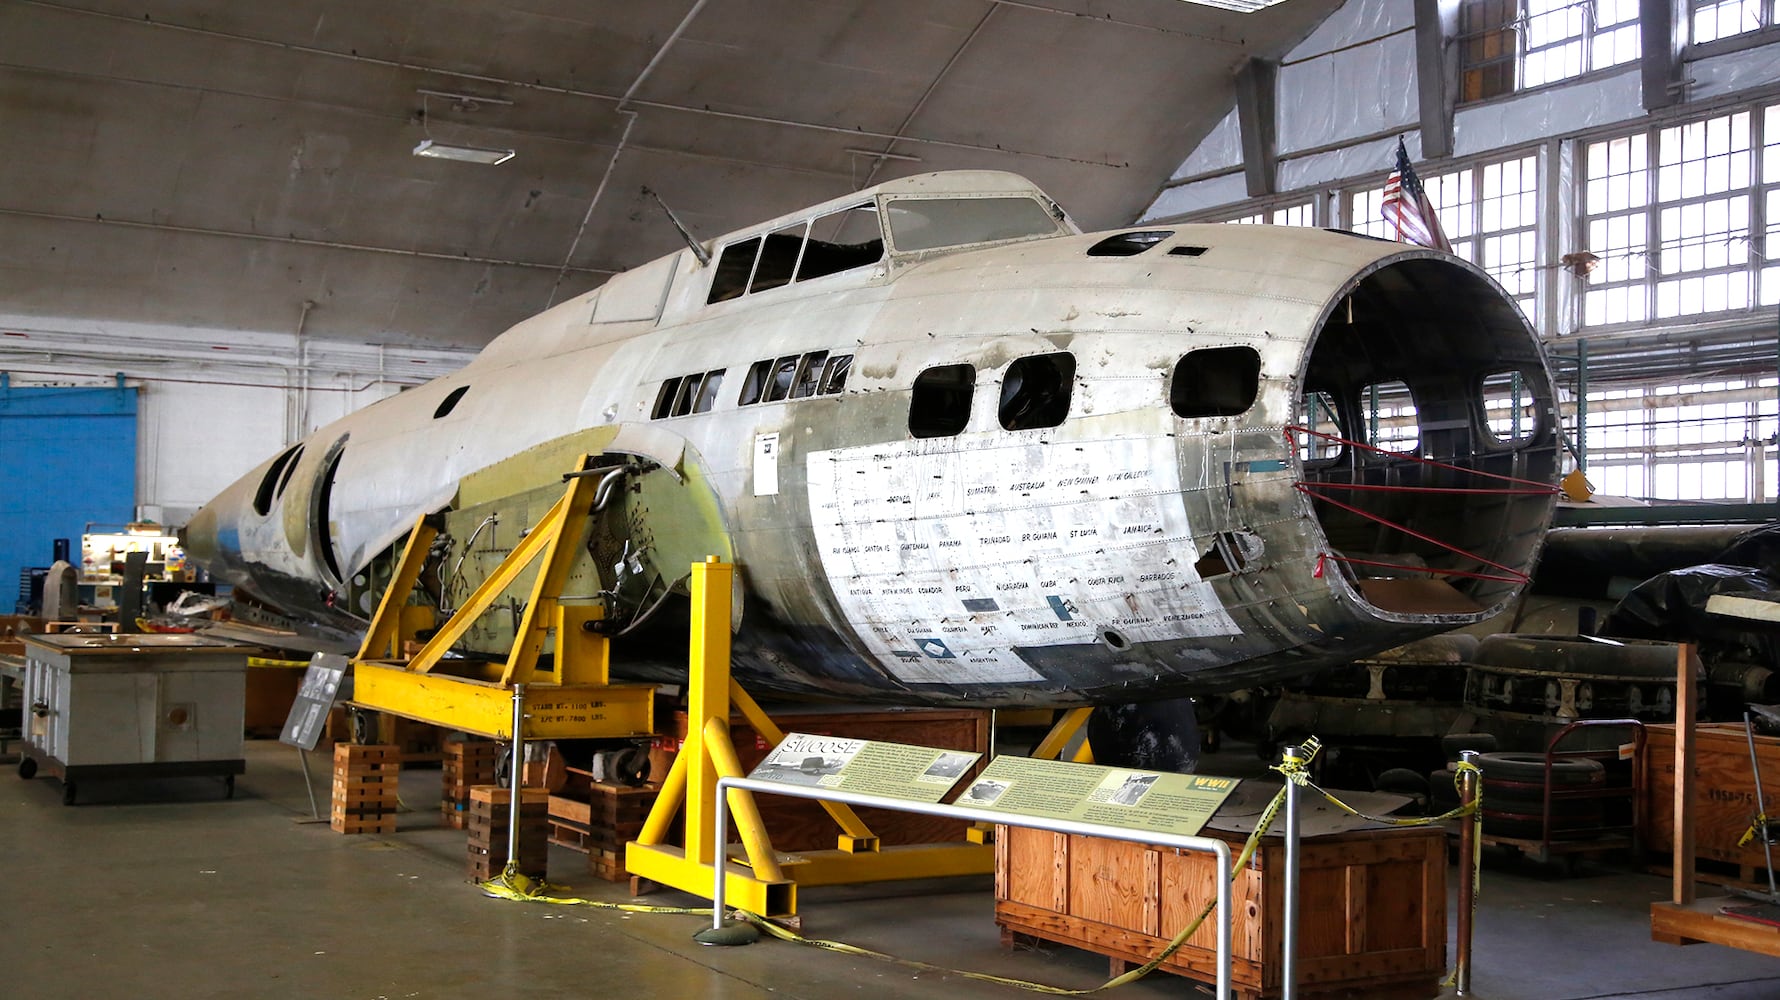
1407	206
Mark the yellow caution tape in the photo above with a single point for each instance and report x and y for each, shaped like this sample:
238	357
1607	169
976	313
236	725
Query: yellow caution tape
521	888
513	885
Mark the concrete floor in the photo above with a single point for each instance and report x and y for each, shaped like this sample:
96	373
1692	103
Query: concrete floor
166	890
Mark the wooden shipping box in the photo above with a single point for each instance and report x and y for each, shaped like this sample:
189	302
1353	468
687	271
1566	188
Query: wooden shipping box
1372	906
802	825
1724	791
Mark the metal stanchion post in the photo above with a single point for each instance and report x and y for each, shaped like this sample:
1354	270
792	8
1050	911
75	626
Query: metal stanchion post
1470	843
308	783
1288	989
516	777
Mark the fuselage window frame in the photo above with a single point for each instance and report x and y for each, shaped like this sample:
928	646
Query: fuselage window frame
940	400
1036	391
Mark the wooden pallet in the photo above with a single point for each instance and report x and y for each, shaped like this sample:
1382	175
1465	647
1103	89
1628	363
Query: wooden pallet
597	818
365	793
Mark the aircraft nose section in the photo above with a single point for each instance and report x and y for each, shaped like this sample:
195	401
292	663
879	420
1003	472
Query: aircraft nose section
206	542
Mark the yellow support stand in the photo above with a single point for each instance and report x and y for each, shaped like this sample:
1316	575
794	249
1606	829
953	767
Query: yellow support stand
573	701
756	878
1062	731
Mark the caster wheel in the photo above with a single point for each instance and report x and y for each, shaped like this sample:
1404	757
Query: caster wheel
229	787
27	768
632	766
67	793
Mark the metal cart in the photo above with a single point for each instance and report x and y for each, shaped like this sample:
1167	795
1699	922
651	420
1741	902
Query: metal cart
131	707
1571	842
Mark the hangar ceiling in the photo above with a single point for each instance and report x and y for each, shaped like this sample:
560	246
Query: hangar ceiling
229	165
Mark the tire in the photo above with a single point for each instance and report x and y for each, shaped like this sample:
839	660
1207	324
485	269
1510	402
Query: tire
1529	768
27	768
1575	655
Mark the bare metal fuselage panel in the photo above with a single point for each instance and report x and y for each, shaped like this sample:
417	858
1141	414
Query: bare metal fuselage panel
895	539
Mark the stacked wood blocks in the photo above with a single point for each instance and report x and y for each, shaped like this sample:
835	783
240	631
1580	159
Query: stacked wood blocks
487	849
365	788
467	763
597	818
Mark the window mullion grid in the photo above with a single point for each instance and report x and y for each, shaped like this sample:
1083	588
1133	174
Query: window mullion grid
1653	156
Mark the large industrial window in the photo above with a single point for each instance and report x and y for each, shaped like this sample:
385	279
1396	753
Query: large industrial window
1690	441
1388	409
1215	382
1540	42
939	406
1490	214
1509	409
1667	213
1318	416
1299	214
1035	391
1710	20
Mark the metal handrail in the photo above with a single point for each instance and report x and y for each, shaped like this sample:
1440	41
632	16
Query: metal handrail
1209	844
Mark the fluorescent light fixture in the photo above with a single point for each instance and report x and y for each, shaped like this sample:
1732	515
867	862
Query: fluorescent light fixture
467	154
1239	6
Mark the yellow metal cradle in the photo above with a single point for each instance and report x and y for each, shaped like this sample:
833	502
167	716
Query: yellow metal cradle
757	878
573	700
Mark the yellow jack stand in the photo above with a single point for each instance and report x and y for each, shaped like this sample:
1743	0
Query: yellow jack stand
757	878
573	701
1062	731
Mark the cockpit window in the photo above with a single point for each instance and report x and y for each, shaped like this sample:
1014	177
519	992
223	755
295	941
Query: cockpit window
940	403
828	244
929	223
843	240
1035	391
730	281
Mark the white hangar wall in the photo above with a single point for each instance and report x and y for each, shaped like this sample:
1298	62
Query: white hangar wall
211	404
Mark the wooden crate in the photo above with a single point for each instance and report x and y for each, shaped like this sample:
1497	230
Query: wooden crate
1723	798
802	825
467	763
486	847
1372	906
597	818
365	797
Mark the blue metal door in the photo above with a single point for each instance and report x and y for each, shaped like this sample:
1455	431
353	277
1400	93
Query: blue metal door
67	459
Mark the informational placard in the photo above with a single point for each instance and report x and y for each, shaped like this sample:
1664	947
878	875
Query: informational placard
893	770
322	687
1157	801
